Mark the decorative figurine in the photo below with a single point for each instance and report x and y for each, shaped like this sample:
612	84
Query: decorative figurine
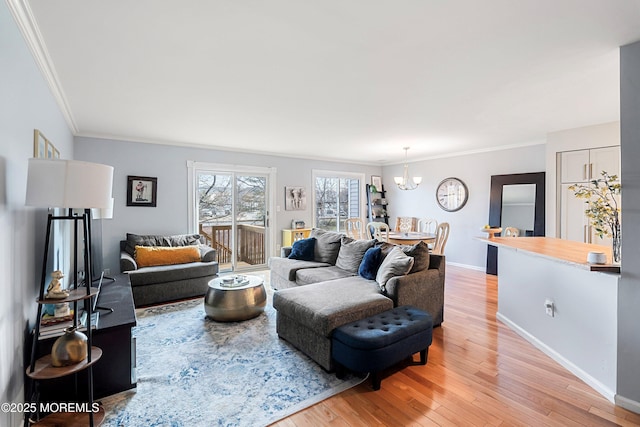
55	291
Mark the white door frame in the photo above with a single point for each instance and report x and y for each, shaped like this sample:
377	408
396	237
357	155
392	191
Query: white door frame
271	173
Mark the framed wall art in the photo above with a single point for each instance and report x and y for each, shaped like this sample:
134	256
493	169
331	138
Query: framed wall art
295	199
376	181
142	191
43	148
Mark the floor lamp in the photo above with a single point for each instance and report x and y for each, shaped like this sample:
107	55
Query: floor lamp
105	213
68	184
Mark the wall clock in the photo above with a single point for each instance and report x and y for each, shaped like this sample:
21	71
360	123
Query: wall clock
452	194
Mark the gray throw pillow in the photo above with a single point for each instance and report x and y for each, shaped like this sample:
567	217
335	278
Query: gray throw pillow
420	254
184	239
396	263
207	254
385	247
134	240
351	253
327	245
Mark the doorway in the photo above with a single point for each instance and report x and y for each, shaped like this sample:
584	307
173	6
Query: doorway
230	208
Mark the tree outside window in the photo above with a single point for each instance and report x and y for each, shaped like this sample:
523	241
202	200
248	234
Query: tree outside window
336	199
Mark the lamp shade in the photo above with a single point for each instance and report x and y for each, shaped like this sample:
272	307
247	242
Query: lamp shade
104	213
68	184
403	181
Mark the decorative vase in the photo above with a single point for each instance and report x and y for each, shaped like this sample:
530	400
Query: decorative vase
70	348
616	243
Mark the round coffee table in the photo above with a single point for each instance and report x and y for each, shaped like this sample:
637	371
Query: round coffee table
241	298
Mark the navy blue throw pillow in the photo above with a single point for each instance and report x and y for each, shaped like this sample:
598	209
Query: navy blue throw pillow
370	263
303	249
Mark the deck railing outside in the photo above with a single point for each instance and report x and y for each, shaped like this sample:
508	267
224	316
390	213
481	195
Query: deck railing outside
250	242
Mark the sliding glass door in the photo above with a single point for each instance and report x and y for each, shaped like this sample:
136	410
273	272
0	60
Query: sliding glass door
232	212
250	220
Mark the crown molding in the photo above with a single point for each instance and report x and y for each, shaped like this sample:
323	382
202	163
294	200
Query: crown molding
470	152
222	148
26	22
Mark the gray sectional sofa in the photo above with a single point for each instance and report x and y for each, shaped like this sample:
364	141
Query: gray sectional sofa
315	296
163	283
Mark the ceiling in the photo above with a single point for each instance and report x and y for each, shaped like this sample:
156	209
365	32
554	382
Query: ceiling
349	80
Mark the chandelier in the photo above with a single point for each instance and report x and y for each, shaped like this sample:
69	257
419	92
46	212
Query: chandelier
403	182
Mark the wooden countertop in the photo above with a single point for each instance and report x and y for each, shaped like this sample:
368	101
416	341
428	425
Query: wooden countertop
559	249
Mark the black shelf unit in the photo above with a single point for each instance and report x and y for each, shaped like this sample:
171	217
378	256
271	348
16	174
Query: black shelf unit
115	371
41	368
376	205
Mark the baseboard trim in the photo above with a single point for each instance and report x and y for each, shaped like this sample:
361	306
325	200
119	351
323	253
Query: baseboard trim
605	391
627	403
470	267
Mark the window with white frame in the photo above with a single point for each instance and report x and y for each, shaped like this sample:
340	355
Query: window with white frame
336	197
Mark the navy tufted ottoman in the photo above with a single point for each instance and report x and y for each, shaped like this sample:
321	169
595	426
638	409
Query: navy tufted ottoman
382	340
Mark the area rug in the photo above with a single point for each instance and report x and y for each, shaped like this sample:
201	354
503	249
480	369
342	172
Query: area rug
193	371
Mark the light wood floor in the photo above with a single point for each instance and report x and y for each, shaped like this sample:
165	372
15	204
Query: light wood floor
479	373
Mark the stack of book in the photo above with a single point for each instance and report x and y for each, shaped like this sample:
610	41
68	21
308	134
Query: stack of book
51	326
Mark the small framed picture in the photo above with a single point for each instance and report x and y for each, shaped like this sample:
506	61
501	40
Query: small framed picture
376	181
142	191
40	144
295	199
43	148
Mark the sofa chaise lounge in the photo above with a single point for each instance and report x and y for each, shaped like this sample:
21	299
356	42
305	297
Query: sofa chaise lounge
316	296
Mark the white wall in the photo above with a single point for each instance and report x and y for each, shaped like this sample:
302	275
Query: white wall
629	299
25	104
526	281
169	165
475	170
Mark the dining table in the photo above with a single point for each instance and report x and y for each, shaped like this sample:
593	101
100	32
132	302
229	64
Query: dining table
411	237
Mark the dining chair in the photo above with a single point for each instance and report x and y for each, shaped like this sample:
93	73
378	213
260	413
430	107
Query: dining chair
442	235
405	224
378	231
354	228
510	232
427	225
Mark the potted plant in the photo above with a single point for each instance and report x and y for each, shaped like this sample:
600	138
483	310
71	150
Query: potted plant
603	209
